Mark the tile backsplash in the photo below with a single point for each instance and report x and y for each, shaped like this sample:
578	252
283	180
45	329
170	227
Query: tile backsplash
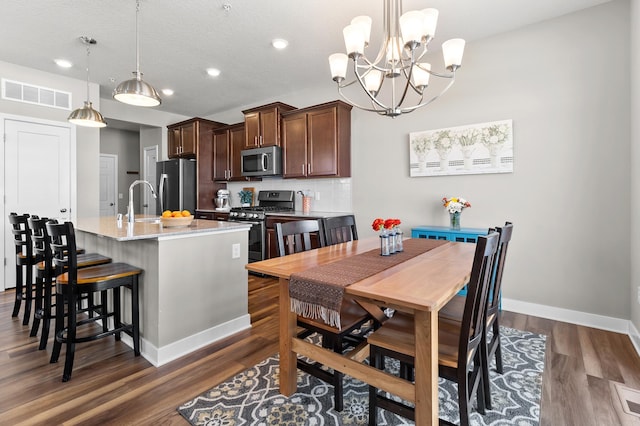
328	195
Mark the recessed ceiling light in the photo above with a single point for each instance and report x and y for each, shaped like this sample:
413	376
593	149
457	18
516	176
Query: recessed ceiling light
213	72
279	43
63	63
167	92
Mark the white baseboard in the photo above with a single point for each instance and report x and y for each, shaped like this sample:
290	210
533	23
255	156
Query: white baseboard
634	335
175	350
567	315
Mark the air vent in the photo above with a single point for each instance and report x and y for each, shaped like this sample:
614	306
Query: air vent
28	93
629	399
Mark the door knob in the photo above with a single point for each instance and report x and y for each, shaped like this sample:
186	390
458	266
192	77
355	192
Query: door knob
111	204
63	210
145	205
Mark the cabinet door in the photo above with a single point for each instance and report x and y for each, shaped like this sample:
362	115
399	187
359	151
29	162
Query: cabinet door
252	129
322	142
270	128
189	134
174	142
220	164
205	185
294	146
236	144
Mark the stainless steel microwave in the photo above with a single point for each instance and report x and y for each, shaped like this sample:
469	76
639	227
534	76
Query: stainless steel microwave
265	161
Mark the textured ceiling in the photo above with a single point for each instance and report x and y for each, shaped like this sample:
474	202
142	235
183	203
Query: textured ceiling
180	39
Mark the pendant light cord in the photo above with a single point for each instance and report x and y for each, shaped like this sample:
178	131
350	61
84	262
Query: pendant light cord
137	42
88	53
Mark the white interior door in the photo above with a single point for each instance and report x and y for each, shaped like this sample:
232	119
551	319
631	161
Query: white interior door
37	180
108	184
149	174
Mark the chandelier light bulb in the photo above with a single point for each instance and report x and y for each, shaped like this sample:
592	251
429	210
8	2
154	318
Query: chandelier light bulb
338	63
364	24
452	51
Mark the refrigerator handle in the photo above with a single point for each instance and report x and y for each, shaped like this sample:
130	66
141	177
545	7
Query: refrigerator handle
163	177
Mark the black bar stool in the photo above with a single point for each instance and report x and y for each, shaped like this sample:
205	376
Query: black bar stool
25	260
45	274
74	283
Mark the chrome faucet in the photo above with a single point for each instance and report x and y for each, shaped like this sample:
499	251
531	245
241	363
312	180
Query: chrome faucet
130	214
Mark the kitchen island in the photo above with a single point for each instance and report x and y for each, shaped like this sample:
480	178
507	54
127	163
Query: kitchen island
194	287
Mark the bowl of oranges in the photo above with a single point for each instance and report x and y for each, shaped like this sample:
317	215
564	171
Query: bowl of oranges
176	218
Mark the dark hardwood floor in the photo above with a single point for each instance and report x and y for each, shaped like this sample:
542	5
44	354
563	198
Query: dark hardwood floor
111	386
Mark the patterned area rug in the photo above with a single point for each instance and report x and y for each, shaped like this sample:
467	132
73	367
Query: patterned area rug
252	397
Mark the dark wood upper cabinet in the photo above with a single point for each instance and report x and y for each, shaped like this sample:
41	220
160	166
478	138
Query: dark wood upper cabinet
316	141
228	143
262	125
183	137
193	139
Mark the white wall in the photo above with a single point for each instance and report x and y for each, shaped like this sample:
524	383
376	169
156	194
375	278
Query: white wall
635	162
87	139
566	87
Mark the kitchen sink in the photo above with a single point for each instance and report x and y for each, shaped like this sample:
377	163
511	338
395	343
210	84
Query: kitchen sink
148	219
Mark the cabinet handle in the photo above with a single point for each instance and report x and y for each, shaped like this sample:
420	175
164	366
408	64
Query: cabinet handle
308	168
255	140
303	169
261	141
229	174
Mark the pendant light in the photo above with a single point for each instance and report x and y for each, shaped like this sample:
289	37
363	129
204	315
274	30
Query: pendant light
87	116
136	91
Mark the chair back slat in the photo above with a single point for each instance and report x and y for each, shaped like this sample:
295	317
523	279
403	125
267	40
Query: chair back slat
21	234
340	229
295	236
63	248
476	300
496	282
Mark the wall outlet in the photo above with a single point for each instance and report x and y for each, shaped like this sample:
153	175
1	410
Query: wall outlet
120	196
235	251
638	294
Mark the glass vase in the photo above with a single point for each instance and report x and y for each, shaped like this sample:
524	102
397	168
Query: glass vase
454	219
398	240
384	243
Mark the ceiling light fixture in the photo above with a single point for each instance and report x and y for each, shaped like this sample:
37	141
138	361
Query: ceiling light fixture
63	63
136	91
167	92
405	40
87	116
279	43
213	72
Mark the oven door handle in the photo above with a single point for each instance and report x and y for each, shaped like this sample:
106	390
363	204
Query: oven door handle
244	221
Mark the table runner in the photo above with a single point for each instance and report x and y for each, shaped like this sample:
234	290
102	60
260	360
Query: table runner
317	293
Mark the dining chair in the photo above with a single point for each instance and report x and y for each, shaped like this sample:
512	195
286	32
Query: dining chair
339	229
74	283
453	311
459	345
293	237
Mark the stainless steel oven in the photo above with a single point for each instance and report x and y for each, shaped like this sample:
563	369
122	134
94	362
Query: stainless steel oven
268	201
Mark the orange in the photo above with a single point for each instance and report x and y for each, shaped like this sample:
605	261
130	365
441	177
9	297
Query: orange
176	214
186	213
166	213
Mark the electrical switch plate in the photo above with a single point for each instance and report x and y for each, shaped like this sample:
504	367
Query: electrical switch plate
317	195
120	196
235	251
638	294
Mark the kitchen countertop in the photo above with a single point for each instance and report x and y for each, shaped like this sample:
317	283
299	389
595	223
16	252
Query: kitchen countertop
109	227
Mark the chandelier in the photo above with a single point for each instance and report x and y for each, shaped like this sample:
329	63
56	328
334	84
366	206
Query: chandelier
395	82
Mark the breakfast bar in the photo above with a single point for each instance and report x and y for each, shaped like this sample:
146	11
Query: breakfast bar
194	287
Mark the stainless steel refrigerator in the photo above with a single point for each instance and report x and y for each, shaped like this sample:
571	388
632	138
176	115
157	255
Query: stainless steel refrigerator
176	185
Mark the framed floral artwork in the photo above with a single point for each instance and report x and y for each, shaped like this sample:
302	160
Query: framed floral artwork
471	149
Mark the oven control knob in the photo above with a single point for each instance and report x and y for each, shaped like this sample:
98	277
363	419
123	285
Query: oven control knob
255	215
243	214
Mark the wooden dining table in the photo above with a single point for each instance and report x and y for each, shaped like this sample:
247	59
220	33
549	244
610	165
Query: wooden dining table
421	285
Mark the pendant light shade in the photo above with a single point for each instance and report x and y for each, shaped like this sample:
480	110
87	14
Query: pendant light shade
136	91
87	116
